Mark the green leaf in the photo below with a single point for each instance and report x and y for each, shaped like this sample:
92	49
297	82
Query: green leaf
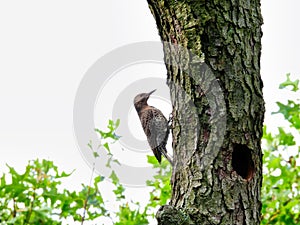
291	112
114	178
3	181
98	179
117	123
95	154
117	161
106	146
90	145
285	139
288	82
152	160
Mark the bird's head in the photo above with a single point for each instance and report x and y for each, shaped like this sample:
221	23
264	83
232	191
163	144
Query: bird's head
141	100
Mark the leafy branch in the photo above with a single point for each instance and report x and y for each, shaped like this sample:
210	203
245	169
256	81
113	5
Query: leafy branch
281	179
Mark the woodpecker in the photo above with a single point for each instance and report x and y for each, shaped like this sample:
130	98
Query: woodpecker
155	126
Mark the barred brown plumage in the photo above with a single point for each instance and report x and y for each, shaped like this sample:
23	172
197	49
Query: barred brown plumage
155	125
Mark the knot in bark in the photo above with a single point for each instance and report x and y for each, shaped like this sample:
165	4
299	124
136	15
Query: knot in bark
169	215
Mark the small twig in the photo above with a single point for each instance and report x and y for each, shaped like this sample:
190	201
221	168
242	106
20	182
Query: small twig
88	193
15	208
30	207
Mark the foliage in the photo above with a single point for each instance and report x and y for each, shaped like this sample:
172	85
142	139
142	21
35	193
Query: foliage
281	181
34	197
161	191
159	195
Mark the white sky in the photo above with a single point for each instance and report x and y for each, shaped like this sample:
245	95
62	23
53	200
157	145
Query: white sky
46	47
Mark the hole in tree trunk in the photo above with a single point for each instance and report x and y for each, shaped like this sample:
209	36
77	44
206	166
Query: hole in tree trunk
242	161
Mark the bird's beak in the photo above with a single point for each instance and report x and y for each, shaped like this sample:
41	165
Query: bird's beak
151	92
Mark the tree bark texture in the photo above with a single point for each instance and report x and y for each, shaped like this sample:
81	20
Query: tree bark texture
212	53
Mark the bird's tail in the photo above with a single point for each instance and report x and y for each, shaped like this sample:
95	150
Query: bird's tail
166	155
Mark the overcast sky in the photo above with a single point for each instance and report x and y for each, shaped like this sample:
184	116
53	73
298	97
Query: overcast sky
46	48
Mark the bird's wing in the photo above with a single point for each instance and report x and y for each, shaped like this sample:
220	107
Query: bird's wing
158	128
155	126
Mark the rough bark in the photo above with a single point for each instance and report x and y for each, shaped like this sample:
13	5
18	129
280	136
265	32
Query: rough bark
217	171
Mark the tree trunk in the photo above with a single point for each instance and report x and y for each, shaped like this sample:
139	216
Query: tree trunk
212	54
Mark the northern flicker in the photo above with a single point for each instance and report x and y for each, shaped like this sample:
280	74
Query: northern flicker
155	125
